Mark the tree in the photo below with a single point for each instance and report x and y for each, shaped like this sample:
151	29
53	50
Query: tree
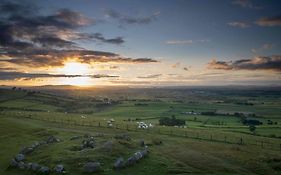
252	128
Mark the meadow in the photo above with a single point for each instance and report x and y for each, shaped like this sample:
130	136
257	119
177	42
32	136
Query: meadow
214	139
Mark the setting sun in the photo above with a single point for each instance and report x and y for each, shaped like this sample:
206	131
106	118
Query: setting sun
74	68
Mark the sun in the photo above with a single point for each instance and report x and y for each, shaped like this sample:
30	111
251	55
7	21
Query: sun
75	68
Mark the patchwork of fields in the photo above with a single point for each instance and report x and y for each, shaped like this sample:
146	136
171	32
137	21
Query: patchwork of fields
219	143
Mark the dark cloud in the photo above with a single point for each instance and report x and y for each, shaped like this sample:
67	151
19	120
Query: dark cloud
4	75
259	63
151	76
246	4
104	76
36	40
124	19
269	21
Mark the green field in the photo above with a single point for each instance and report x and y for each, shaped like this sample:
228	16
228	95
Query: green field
208	144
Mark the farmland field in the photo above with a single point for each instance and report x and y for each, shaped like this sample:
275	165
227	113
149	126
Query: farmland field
216	138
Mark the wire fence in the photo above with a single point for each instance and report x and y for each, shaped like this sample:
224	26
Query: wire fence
204	135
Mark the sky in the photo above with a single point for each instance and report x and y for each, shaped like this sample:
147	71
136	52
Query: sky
140	42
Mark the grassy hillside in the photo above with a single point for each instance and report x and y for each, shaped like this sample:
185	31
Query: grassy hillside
208	144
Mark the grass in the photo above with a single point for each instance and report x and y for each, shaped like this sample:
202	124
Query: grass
200	148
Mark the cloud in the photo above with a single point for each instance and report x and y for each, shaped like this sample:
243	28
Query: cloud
124	19
30	39
103	76
272	63
263	47
4	75
238	24
269	21
246	4
150	76
181	42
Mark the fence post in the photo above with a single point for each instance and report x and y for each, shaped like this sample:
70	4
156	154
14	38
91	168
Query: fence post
224	139
99	124
127	127
241	141
211	137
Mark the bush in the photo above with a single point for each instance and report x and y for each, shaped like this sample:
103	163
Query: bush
171	121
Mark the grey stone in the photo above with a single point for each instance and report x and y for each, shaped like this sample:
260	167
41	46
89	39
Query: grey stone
28	165
13	163
59	169
131	161
21	165
89	143
27	150
119	163
138	155
35	166
19	157
92	167
44	170
52	139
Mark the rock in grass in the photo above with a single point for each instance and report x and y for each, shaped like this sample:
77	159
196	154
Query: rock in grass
13	163
138	155
19	157
52	139
59	169
91	167
89	143
21	165
35	166
131	161
44	170
119	163
27	150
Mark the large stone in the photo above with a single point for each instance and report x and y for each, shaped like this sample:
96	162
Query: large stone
52	139
27	150
35	166
131	161
21	165
138	155
89	143
44	170
13	163
119	163
59	169
19	157
92	167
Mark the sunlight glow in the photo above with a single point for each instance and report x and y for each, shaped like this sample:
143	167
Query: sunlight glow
74	68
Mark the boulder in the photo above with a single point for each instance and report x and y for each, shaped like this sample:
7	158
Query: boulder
27	150
59	169
131	161
138	155
13	163
19	157
89	143
144	152
119	163
35	145
21	165
35	166
44	170
91	167
52	139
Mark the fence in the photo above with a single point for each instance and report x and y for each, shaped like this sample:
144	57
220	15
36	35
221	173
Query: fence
191	133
